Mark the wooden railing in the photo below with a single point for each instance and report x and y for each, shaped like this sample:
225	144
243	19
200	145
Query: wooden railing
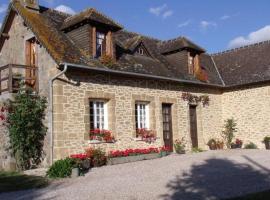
13	75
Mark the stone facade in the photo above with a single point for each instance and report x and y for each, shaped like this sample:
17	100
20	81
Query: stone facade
250	107
71	111
13	53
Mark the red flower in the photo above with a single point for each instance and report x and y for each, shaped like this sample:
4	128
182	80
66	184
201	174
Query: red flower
81	156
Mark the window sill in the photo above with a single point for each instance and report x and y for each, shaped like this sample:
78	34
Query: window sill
99	142
141	140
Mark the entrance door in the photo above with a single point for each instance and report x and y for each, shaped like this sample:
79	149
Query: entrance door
193	126
31	63
167	125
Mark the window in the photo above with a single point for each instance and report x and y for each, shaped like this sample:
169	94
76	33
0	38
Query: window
99	44
140	51
142	115
191	60
98	115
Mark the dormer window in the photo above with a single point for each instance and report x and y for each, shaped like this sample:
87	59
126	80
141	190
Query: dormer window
100	46
191	63
140	51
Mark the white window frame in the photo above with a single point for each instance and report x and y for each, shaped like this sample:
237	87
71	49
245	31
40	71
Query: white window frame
99	117
142	121
100	37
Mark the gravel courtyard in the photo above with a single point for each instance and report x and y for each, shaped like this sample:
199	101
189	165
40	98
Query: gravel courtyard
209	175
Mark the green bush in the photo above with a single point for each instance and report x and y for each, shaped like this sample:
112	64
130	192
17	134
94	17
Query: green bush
251	145
61	168
26	129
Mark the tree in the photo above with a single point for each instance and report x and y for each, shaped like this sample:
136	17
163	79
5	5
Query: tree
229	130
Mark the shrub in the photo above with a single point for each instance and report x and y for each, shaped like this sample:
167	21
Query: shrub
229	130
266	139
179	146
251	145
196	150
97	156
62	168
26	129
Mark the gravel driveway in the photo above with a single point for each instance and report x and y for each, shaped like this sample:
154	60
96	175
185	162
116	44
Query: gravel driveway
209	175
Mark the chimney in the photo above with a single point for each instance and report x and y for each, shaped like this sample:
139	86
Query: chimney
31	4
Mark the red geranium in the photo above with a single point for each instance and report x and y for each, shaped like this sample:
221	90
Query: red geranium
132	152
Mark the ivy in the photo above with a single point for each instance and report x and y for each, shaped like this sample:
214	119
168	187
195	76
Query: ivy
193	99
24	120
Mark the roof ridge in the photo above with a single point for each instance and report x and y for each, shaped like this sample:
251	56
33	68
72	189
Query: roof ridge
60	12
173	39
139	34
240	48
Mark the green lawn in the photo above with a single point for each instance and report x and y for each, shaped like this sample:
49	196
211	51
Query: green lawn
257	196
13	181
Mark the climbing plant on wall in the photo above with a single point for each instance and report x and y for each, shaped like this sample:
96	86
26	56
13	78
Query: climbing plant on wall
24	117
194	99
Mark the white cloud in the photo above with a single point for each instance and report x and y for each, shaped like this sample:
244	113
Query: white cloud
206	24
65	9
157	10
225	17
253	37
167	13
3	8
186	23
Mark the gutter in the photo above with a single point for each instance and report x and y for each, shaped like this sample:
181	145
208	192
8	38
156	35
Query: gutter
107	70
51	109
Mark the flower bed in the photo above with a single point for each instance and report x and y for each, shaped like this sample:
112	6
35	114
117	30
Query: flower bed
133	155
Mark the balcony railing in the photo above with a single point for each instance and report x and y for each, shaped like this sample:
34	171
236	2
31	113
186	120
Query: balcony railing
13	75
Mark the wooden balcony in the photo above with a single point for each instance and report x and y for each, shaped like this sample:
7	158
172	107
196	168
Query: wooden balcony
12	76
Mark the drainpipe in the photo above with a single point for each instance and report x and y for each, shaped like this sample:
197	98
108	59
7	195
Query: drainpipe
51	108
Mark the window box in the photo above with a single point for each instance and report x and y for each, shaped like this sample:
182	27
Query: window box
122	160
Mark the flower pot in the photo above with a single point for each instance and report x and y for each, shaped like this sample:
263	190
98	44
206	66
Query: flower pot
75	173
212	147
267	145
122	160
236	146
180	151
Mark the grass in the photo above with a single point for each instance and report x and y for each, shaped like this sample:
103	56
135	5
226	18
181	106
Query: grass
14	181
257	196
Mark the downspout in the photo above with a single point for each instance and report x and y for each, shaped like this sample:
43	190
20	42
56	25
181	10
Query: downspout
51	108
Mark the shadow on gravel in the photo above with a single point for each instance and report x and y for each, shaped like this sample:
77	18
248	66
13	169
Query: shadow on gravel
218	179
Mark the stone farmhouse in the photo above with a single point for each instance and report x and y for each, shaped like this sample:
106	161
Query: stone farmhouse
96	75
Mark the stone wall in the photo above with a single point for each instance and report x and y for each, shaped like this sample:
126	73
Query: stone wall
250	107
13	53
71	111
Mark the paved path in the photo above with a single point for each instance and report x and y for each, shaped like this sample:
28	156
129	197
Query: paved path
209	175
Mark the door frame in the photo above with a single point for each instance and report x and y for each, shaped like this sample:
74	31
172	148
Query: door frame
170	105
194	144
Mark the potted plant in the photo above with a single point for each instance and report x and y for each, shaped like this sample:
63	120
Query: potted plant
237	144
212	144
179	146
219	144
266	141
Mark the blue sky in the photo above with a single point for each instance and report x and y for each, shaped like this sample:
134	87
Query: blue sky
215	25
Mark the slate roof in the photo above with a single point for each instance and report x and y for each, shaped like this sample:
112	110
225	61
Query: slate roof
249	64
239	66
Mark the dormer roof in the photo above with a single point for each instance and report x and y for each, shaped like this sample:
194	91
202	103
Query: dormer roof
90	15
179	44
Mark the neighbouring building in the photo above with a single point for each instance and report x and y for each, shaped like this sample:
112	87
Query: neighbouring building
96	75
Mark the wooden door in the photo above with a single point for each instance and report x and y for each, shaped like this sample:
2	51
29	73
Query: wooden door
167	126
193	126
31	63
